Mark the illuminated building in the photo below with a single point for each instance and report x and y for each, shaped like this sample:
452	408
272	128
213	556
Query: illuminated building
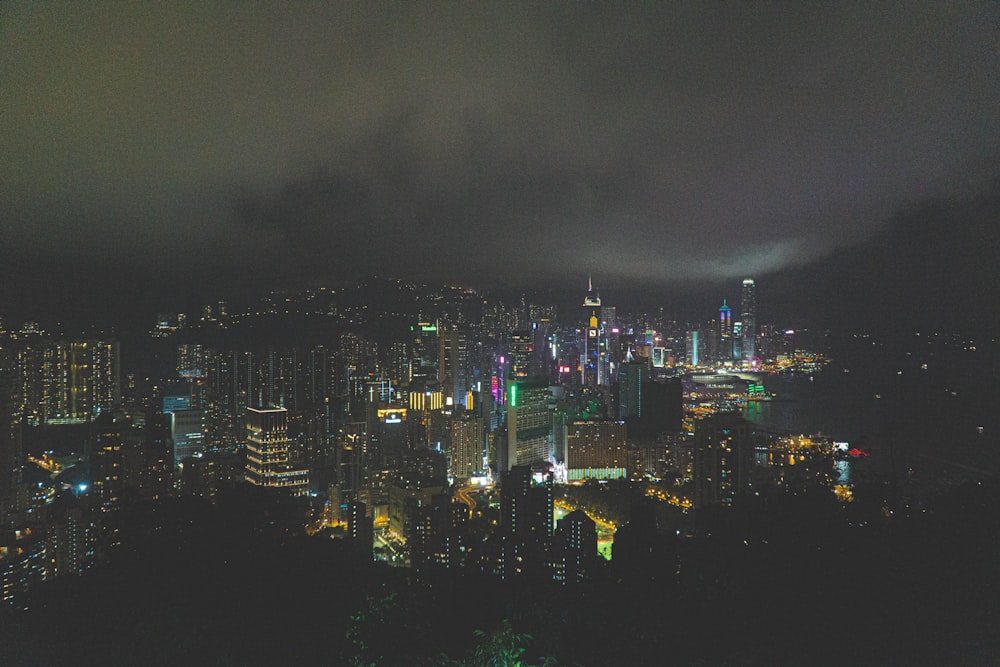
431	398
231	383
748	316
575	549
522	345
424	352
725	321
529	422
527	506
107	459
453	365
10	434
268	462
465	455
359	527
693	345
596	450
631	376
175	402
723	459
72	381
190	361
594	350
187	429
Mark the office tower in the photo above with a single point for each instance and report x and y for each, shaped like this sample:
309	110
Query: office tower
522	346
591	344
465	456
693	344
175	402
725	321
724	328
529	424
723	459
453	366
631	376
424	352
187	430
268	462
748	316
596	450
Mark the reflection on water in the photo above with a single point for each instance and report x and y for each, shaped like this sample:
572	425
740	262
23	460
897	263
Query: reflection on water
906	402
843	471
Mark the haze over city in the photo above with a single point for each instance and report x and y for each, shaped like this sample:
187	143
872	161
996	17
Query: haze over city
180	149
470	334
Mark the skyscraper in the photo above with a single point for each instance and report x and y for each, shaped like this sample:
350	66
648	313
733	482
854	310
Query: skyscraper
596	450
268	452
591	341
529	423
725	332
467	438
723	459
453	365
748	315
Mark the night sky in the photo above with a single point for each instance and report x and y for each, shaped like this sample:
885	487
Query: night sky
837	152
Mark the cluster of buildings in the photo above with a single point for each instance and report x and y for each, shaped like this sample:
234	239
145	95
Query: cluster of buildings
386	431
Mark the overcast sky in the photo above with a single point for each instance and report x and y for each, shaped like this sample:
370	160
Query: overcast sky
216	141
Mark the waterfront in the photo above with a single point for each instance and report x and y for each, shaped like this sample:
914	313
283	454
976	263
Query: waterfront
918	403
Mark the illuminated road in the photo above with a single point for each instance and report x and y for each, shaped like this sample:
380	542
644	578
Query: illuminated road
464	496
605	529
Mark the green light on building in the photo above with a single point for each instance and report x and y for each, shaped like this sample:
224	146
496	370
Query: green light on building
513	396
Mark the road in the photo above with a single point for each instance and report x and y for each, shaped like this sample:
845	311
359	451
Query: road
464	496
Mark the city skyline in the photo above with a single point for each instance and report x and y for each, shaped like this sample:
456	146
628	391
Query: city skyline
182	153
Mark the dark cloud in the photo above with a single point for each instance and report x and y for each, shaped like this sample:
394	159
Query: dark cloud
656	141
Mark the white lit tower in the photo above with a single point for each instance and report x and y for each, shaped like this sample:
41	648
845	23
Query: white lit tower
748	316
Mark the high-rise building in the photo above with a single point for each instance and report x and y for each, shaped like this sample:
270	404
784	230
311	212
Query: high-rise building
107	462
725	333
527	506
748	315
10	430
268	462
596	450
190	361
465	456
76	380
693	347
522	345
453	366
425	353
631	376
723	459
593	346
529	422
574	553
187	430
